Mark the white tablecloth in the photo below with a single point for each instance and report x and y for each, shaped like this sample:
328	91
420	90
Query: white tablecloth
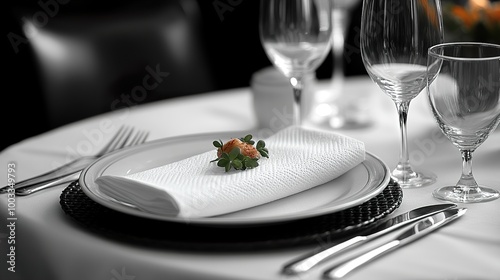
49	245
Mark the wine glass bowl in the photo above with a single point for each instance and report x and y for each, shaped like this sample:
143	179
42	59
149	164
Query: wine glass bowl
464	93
296	35
395	38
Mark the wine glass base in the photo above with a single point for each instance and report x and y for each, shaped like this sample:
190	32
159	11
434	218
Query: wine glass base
342	122
469	195
413	180
328	116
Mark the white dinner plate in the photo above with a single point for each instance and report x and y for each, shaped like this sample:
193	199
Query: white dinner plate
355	187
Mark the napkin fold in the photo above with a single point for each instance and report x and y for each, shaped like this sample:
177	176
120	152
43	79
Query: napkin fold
299	159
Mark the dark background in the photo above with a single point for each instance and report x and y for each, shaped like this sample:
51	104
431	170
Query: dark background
228	41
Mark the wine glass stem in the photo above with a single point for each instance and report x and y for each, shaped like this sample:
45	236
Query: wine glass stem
467	179
297	95
403	166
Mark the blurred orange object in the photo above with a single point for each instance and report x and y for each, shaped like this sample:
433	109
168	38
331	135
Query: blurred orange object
493	13
477	20
467	16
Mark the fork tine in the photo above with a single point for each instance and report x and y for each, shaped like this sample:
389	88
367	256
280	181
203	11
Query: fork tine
136	139
119	140
142	139
124	139
112	142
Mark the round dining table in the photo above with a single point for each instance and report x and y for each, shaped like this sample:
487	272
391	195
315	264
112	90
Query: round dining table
39	241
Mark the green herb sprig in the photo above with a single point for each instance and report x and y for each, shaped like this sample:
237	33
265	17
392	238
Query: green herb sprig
235	159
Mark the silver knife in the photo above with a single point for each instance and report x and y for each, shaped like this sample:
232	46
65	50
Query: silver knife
306	262
418	230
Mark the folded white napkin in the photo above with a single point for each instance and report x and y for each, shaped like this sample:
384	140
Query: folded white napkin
299	159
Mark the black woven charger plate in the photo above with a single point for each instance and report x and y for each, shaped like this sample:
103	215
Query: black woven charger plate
132	229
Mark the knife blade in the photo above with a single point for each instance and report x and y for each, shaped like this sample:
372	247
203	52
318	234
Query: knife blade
306	262
415	231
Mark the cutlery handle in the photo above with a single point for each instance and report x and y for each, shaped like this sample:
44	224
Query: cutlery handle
56	174
44	185
343	269
306	262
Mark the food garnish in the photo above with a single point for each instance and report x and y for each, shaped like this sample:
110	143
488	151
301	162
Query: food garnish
240	153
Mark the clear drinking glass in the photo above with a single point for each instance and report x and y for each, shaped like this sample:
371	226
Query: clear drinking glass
395	38
464	93
296	35
341	11
341	117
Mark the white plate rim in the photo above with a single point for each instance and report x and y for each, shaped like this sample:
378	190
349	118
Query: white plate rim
375	185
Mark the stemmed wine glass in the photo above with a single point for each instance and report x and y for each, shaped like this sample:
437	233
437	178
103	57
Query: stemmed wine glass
395	38
296	35
464	94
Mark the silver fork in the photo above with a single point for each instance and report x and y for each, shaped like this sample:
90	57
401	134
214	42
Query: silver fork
124	137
